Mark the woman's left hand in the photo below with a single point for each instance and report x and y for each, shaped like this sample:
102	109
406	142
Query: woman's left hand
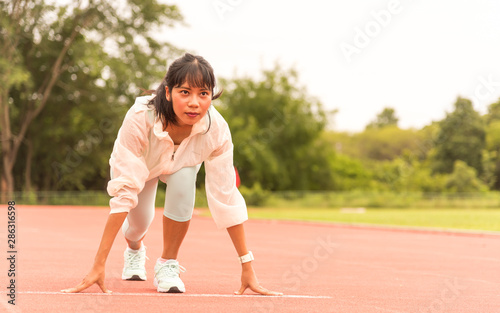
249	280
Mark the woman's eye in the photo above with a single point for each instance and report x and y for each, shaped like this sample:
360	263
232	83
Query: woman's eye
184	92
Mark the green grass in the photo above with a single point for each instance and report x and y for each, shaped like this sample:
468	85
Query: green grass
479	212
449	218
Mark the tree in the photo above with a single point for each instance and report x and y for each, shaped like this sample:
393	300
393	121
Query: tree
275	126
491	156
408	174
73	58
493	112
386	143
464	179
462	137
349	174
385	118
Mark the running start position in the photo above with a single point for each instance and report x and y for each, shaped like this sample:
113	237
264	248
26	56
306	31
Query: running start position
167	136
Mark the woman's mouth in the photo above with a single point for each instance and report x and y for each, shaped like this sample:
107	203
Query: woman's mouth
192	114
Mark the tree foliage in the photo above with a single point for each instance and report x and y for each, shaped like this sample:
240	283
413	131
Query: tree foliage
491	156
464	179
68	74
493	112
462	137
275	125
380	144
77	69
405	160
386	143
385	118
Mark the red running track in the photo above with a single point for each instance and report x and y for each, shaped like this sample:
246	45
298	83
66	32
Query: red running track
319	267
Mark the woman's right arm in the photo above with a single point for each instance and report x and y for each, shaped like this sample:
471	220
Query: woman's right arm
128	174
96	274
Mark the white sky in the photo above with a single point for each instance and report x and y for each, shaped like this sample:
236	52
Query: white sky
417	59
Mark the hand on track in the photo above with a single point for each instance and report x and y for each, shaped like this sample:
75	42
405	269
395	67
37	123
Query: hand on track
96	276
249	280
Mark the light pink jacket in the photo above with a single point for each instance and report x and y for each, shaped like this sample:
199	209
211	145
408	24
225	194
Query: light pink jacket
143	151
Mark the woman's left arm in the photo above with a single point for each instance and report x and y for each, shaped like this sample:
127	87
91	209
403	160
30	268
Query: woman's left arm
248	277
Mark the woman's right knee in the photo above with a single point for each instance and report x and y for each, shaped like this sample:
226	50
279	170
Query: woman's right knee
140	218
134	232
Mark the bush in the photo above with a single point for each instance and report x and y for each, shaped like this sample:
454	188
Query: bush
464	179
255	196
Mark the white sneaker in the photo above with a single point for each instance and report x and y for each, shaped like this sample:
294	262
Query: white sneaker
167	277
135	264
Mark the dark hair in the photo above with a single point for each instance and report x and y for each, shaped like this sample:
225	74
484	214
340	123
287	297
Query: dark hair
194	70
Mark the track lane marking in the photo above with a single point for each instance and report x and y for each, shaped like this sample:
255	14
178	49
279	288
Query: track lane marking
170	294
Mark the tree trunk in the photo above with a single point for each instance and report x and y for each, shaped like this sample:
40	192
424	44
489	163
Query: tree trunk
9	43
7	178
27	172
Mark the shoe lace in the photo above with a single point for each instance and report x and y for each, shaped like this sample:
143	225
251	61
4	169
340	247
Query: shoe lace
170	270
135	260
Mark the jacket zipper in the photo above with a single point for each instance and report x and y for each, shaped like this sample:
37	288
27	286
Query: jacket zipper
182	144
179	147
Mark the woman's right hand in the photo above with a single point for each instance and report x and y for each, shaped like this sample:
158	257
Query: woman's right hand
95	276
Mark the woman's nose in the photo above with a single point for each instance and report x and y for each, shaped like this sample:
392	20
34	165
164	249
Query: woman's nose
193	101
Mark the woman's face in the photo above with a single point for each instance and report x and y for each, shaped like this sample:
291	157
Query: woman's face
190	103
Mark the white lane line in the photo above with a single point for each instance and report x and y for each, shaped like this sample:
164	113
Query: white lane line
158	294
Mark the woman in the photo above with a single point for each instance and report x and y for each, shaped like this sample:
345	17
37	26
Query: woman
167	136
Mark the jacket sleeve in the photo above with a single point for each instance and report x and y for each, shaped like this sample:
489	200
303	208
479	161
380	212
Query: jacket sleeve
128	166
226	204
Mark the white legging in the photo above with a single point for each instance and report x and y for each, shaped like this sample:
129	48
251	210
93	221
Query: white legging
179	202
